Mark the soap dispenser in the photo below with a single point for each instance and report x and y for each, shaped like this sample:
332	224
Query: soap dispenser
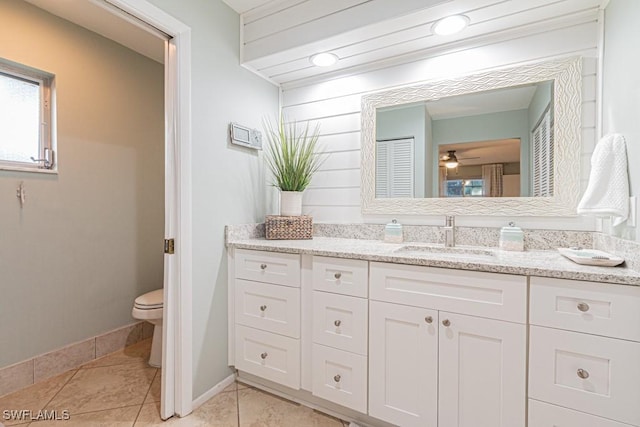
393	232
511	238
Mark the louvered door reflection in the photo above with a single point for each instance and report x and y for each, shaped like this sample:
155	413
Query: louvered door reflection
395	170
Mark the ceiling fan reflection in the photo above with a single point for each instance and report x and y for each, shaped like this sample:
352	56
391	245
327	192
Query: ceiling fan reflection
450	160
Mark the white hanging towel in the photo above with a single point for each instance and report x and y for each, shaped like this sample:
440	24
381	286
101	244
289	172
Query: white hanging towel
607	193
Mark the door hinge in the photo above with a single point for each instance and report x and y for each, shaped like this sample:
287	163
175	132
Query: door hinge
169	246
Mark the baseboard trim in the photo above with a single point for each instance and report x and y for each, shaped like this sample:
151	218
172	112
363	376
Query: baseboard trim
22	374
213	391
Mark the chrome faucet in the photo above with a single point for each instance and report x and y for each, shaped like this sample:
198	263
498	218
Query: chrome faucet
449	231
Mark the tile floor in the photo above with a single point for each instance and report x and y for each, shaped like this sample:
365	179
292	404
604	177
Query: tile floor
120	389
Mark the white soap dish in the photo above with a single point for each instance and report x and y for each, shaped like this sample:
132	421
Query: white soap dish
591	257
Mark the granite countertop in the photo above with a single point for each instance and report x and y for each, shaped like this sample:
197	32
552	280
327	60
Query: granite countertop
544	263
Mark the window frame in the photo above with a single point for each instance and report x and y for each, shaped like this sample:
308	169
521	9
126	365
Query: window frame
46	132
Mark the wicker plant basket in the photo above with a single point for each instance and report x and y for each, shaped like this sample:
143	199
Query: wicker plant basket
288	227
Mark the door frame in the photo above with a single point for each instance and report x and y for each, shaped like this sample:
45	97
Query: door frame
177	361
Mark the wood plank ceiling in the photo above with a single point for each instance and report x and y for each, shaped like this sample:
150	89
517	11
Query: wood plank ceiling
279	36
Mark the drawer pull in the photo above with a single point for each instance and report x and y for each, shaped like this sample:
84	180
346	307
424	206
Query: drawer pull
263	266
583	374
583	307
263	307
337	275
446	322
264	355
428	319
337	378
337	323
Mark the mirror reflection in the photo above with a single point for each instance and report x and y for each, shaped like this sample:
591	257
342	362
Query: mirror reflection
496	143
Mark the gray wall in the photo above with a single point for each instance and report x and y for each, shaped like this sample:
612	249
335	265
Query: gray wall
228	181
485	127
621	86
541	99
88	240
431	162
404	122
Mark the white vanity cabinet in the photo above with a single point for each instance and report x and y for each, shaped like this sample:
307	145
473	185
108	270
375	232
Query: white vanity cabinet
417	346
340	334
584	362
434	367
266	320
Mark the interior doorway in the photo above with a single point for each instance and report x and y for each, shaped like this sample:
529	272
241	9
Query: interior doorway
119	20
177	358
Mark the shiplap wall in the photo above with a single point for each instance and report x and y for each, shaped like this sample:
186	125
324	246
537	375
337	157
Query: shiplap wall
334	195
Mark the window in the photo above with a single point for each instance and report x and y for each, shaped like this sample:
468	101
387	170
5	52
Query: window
26	140
464	188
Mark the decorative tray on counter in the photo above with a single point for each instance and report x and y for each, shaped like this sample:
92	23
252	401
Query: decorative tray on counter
591	257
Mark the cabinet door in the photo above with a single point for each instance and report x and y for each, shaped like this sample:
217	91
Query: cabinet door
340	377
403	364
268	267
482	372
340	322
271	308
588	373
270	356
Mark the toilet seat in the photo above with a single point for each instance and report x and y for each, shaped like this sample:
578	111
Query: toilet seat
149	306
150	300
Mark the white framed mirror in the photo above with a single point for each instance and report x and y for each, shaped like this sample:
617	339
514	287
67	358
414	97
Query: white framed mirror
503	142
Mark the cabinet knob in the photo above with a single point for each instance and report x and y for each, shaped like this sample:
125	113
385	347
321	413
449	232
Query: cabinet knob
583	374
263	307
337	378
446	322
428	319
263	266
264	355
337	275
337	323
583	307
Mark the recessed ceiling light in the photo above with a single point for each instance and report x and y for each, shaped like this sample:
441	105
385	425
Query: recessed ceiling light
450	25
324	59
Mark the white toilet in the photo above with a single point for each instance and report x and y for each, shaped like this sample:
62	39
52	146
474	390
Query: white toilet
149	307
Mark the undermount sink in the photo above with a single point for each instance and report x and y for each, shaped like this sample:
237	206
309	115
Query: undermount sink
439	249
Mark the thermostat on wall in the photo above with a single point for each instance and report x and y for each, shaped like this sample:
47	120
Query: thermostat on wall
242	135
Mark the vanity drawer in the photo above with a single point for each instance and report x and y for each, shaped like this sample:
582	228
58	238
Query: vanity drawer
594	308
271	308
340	321
341	276
269	356
491	295
593	374
269	267
545	415
340	377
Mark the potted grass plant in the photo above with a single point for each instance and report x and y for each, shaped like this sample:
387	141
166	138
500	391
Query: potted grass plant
292	158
